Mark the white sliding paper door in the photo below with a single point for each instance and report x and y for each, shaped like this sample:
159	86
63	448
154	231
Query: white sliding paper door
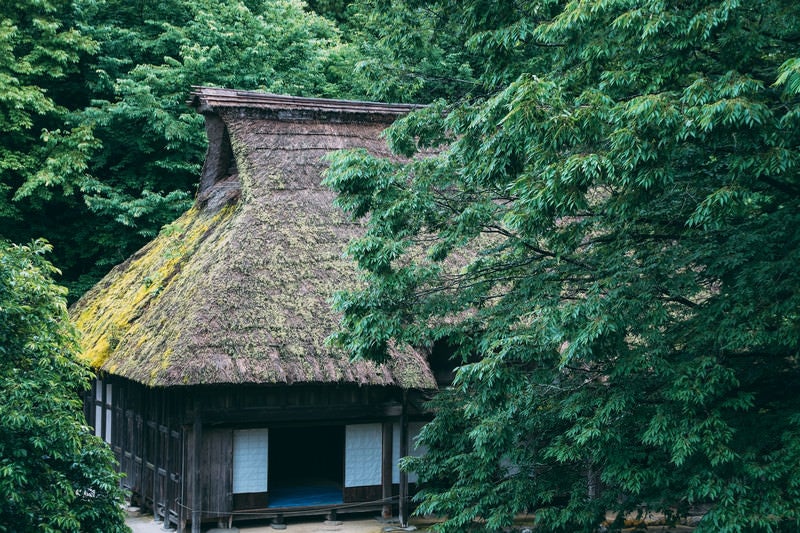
103	409
362	462
250	460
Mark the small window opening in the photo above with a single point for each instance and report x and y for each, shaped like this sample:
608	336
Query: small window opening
443	362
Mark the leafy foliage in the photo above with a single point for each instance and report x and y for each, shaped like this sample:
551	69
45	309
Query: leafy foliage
122	152
40	56
333	9
612	231
411	51
54	475
36	49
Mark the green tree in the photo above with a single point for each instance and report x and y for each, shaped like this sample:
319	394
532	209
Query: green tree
335	10
413	51
153	144
38	51
43	157
609	240
54	475
120	152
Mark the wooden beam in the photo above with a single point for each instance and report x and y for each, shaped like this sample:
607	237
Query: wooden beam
403	504
197	504
102	385
183	489
155	458
300	413
386	470
141	445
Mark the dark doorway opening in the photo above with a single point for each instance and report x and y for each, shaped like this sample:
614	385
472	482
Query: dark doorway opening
306	466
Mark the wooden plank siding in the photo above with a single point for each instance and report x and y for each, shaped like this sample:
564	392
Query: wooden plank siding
215	476
151	433
146	439
369	493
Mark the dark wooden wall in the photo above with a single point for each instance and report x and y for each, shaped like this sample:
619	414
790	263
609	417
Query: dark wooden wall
147	439
152	435
216	473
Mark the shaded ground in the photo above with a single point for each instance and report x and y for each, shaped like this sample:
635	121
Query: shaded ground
360	523
349	524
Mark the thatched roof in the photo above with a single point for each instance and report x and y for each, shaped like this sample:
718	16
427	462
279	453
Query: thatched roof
238	289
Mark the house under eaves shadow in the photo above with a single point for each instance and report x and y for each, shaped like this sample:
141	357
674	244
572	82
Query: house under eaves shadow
216	390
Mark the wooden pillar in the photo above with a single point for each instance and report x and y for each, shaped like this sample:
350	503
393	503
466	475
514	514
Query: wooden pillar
183	508
197	504
102	426
156	462
167	495
386	470
157	457
403	505
141	457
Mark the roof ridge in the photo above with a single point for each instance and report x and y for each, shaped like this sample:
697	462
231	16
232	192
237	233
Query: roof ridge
207	99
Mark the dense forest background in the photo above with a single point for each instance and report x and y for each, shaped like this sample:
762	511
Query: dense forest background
99	148
620	188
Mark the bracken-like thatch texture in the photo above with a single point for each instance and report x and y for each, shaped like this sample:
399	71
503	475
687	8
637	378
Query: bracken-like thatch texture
238	289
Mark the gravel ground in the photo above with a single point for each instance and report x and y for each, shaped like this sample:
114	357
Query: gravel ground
349	524
354	524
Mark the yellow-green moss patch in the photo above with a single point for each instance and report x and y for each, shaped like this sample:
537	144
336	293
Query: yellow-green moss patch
241	295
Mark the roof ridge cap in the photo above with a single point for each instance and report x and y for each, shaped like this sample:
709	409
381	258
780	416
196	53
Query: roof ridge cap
208	99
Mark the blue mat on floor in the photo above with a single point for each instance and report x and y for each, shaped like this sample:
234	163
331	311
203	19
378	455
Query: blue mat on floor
306	495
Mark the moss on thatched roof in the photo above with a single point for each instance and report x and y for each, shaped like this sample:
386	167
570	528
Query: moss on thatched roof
237	290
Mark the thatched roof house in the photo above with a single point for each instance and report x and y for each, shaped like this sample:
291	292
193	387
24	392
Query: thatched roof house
237	290
224	315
